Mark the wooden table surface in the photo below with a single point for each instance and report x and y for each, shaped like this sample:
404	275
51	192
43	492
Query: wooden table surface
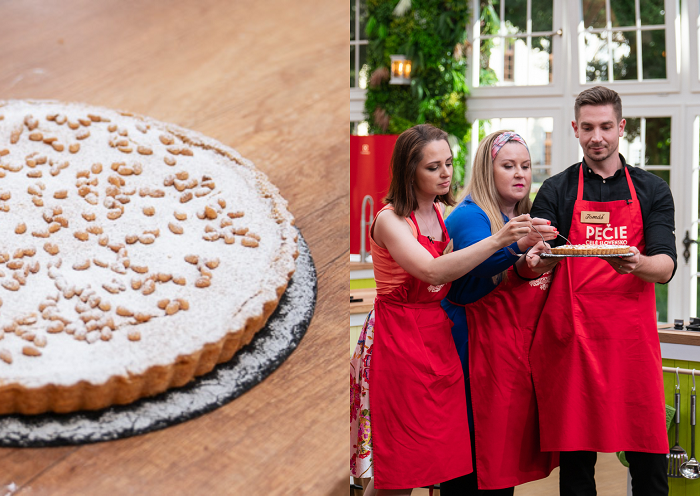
268	78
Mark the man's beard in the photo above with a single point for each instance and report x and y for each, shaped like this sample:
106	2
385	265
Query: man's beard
602	159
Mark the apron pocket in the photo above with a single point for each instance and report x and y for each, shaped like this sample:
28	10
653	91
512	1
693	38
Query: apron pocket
439	346
606	316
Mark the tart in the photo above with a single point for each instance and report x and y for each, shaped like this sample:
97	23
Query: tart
591	250
136	256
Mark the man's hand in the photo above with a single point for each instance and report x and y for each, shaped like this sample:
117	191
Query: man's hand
657	268
625	265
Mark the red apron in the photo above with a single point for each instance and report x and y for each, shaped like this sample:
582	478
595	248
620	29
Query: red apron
420	434
506	428
596	358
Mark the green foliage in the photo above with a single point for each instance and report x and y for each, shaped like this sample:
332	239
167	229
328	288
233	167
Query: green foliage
428	34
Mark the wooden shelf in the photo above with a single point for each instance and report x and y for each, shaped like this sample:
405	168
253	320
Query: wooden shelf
674	336
367	296
361	266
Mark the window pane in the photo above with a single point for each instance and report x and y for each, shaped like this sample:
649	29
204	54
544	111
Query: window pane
363	76
663	174
537	132
622	13
593	13
596	50
490	16
542	15
658	141
506	62
661	302
352	19
654	54
652	12
516	16
509	60
631	142
624	48
491	62
541	61
361	35
352	66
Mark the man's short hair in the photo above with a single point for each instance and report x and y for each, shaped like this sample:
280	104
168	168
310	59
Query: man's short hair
599	95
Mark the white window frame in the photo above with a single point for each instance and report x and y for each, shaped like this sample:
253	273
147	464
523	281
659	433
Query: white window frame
686	218
627	87
357	94
558	51
558	145
677	185
690	18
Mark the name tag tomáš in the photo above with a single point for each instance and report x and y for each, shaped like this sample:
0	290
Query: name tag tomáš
595	217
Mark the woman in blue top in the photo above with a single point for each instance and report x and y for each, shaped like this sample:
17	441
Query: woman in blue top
499	190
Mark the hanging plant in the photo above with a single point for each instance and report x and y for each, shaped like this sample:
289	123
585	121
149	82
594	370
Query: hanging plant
432	34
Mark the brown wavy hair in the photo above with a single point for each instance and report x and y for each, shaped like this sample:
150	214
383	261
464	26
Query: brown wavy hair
408	153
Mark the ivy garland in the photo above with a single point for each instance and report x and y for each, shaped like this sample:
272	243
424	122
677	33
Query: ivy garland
431	33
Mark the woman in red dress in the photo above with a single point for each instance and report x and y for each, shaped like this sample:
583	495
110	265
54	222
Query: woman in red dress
415	433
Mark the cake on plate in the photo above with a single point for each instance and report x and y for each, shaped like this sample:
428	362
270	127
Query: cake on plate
591	250
136	255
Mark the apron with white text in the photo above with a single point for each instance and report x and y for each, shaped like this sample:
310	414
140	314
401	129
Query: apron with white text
595	357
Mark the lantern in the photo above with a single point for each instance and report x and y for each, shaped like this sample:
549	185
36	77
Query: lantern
400	70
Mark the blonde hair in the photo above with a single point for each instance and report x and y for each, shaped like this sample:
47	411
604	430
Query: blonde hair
482	188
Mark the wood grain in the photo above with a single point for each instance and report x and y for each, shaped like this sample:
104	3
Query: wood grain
268	78
367	296
679	337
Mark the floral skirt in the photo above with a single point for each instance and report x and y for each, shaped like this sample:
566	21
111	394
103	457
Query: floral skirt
360	430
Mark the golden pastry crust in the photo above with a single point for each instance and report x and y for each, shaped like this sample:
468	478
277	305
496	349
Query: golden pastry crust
134	241
592	250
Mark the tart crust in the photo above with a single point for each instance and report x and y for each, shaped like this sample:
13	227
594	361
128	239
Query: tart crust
39	394
591	250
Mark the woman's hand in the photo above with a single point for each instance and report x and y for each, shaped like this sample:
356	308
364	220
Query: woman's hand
516	228
544	227
540	265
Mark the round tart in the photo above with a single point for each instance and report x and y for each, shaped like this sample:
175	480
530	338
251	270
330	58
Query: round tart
591	250
136	255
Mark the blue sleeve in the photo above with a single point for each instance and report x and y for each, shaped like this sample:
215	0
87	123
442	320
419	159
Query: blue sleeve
466	225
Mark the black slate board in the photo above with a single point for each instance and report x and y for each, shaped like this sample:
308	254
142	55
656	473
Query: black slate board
268	349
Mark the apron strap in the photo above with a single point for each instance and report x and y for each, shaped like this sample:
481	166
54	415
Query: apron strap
633	192
445	234
413	218
579	192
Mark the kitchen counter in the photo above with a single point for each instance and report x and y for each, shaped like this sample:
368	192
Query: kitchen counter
268	78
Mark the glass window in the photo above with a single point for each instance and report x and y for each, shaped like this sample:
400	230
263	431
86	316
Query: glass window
646	143
623	40
514	43
358	44
537	132
693	232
